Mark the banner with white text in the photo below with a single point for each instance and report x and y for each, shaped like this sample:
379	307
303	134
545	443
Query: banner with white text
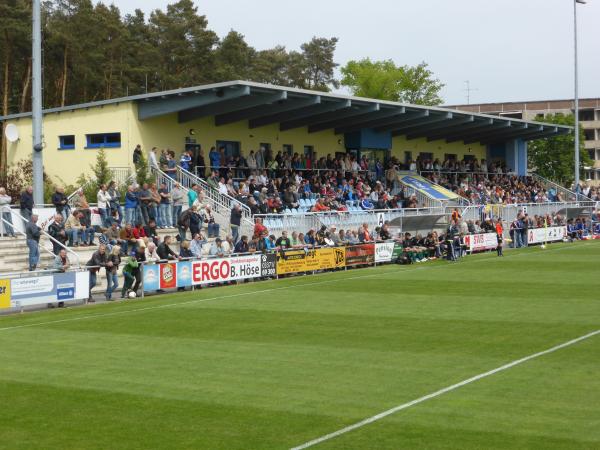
548	234
481	242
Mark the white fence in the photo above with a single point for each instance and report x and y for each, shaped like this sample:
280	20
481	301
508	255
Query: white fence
307	221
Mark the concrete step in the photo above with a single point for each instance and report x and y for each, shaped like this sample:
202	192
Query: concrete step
11	260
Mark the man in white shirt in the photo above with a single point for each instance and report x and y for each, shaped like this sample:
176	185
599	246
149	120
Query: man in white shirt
152	161
151	254
103	199
222	186
196	245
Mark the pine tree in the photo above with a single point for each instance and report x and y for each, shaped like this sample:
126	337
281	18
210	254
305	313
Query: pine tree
141	170
101	170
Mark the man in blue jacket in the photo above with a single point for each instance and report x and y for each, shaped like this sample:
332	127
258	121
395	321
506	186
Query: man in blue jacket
131	204
215	159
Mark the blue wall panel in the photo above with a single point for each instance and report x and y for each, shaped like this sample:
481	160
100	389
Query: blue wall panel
368	138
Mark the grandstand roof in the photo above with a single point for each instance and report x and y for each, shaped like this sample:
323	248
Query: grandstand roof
264	104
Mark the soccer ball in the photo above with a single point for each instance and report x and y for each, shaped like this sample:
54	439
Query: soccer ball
542	246
132	294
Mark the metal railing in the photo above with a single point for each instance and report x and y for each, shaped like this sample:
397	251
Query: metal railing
257	170
465	172
72	197
61	245
186	180
541	209
40	246
221	204
509	212
161	177
223	200
567	194
342	219
120	175
50	238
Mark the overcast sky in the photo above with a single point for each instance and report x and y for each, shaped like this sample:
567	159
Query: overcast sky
509	50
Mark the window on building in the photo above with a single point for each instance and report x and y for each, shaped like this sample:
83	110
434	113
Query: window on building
232	148
425	156
288	149
450	156
590	135
309	150
103	140
407	157
66	142
586	114
592	153
513	115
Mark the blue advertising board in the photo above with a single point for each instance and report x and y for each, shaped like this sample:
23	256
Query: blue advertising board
58	287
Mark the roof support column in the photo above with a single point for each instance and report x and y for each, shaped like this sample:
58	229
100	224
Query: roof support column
522	157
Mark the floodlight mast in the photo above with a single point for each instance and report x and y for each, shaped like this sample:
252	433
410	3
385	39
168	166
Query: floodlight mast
36	105
576	69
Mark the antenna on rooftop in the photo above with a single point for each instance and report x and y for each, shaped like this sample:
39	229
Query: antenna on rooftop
468	90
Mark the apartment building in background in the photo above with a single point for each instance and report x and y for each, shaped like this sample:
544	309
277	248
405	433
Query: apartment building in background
589	115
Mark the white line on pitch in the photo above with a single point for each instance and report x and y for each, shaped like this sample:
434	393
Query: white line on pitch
394	410
262	291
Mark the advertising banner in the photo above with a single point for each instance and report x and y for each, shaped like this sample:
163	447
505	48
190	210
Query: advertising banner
226	269
151	277
294	261
481	242
194	273
384	252
398	251
424	186
360	254
268	266
184	274
168	275
59	287
4	294
549	234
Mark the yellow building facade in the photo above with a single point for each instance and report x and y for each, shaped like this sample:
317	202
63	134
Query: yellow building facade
250	115
65	165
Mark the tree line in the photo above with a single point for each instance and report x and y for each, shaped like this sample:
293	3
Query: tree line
92	52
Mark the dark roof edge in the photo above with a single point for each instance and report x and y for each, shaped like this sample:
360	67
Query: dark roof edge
267	87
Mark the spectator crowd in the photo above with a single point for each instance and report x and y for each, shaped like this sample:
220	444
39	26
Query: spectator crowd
127	235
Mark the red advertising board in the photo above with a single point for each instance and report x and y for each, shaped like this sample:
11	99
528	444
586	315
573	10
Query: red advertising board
168	276
360	254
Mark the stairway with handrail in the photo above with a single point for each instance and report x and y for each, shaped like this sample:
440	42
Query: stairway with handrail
14	250
220	205
568	195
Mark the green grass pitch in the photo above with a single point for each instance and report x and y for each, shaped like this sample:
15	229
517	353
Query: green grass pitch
276	364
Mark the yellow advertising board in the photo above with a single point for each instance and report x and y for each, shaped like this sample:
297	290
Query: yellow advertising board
294	261
4	294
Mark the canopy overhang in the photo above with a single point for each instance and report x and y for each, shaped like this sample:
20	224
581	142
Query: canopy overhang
262	105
